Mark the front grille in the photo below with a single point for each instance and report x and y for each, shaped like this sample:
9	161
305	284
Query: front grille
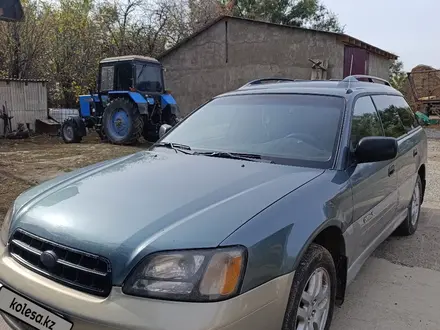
76	269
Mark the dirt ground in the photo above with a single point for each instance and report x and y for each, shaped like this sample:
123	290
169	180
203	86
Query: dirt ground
24	163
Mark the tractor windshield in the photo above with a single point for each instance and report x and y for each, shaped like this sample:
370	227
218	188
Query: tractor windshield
149	78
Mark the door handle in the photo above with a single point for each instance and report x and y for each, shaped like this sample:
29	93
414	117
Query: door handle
415	152
391	170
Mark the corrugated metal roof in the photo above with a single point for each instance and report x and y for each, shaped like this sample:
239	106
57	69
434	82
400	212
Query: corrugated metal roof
129	58
23	80
342	37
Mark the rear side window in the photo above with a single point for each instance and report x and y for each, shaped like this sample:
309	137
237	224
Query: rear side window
406	115
388	113
107	78
365	121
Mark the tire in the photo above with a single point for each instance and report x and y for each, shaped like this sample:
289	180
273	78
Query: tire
151	138
172	120
150	132
410	224
317	260
122	122
70	132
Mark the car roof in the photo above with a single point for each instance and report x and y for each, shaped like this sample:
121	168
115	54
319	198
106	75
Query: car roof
347	88
129	58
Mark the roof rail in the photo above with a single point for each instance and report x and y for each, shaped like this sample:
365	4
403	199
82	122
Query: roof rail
259	81
372	79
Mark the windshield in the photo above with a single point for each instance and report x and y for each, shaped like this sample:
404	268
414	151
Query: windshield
149	78
289	129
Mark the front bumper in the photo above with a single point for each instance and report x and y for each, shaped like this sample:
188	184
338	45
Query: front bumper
261	308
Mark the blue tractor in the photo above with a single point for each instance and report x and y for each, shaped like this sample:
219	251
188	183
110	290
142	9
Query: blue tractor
130	102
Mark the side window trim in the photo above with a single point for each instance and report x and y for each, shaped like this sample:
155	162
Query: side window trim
378	114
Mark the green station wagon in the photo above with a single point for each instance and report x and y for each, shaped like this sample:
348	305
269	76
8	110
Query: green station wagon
253	213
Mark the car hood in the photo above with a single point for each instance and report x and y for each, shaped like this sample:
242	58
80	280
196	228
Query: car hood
127	208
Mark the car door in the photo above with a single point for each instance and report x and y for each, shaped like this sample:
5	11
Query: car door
399	122
373	184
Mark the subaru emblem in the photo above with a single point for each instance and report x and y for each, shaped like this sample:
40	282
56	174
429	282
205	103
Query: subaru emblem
49	259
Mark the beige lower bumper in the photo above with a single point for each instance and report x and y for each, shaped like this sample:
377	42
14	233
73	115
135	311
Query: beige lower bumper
262	308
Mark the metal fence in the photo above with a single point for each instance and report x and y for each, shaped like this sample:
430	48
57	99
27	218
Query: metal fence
24	100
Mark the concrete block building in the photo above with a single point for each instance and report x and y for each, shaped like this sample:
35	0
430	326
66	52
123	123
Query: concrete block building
231	51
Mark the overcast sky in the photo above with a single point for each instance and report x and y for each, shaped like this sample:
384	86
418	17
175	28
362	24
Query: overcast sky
407	28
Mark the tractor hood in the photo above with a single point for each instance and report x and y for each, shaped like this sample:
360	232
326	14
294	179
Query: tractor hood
127	208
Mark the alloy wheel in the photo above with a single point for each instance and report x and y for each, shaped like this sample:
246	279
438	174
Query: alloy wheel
315	302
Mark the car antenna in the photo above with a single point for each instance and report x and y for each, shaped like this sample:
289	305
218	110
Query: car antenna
351	70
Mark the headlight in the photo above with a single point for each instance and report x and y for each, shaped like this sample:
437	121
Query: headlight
6	226
196	275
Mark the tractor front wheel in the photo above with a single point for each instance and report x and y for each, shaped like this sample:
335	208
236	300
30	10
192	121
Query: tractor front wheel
70	132
122	122
172	120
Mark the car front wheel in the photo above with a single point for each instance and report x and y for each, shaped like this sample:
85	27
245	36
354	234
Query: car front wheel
312	297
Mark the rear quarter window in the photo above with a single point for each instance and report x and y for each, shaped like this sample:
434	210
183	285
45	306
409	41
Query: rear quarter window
107	78
406	114
388	109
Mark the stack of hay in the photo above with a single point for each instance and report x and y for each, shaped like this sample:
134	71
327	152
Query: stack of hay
426	82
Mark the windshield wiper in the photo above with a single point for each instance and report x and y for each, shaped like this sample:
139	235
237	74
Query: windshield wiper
142	71
175	146
234	155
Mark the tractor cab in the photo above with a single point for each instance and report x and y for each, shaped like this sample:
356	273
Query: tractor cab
131	73
130	102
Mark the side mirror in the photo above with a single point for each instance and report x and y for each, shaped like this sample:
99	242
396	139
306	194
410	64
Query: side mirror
164	130
376	149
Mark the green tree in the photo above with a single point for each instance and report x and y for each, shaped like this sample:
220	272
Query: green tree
301	13
397	76
23	45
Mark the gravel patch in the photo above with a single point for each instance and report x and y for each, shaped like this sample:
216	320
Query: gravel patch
432	133
432	195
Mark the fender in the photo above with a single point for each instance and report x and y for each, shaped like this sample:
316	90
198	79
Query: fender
167	99
327	224
341	260
141	101
169	105
279	235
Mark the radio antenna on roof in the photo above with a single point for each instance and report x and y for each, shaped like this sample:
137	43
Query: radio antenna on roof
351	70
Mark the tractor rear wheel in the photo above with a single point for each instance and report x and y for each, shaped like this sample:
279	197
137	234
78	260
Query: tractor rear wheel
122	122
70	132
